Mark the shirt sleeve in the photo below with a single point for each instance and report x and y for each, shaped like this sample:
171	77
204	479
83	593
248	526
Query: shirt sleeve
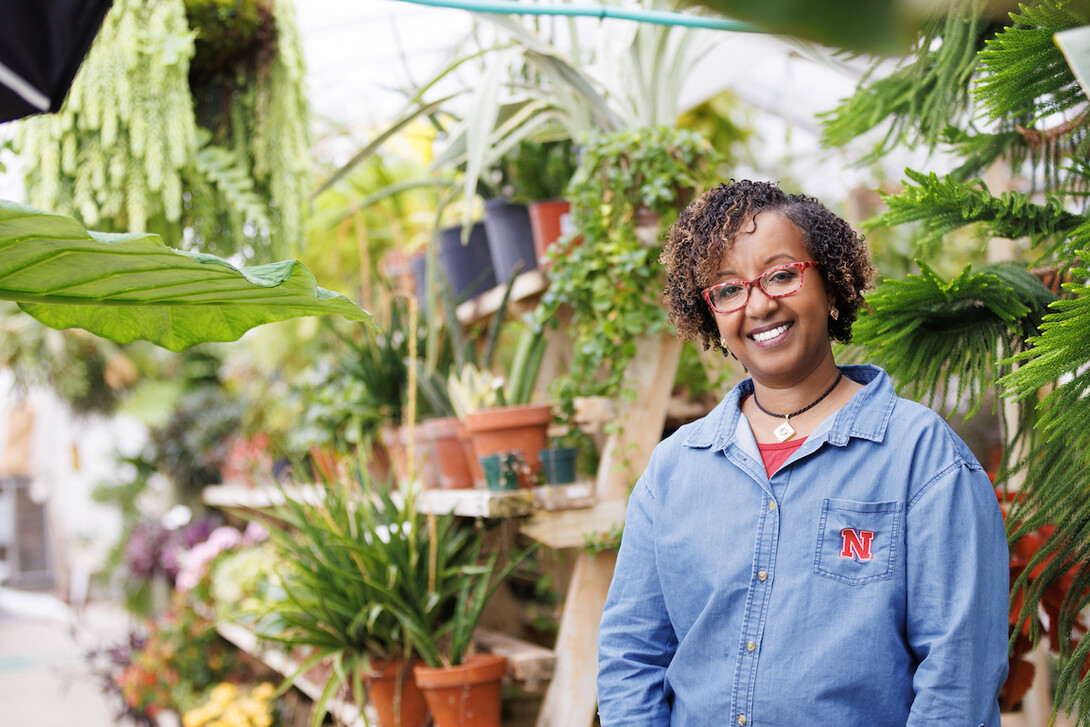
958	575
636	640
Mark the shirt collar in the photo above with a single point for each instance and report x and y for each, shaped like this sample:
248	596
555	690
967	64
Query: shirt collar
866	415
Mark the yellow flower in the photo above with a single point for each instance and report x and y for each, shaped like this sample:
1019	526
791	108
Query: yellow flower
194	718
264	691
223	693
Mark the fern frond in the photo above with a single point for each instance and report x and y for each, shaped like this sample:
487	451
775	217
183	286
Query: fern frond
922	98
1023	71
929	333
222	169
943	205
979	151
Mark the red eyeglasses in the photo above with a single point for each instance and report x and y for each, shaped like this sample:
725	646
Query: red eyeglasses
780	281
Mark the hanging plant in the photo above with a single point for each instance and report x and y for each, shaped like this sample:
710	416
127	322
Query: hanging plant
607	274
187	119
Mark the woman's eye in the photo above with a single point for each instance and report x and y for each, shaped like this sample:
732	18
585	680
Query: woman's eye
783	276
729	291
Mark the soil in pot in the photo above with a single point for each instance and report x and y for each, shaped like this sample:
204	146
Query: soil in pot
467	695
410	710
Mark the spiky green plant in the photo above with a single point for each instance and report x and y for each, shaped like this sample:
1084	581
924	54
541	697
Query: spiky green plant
1023	108
375	578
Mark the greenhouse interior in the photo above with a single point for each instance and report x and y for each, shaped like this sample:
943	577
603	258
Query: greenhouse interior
338	337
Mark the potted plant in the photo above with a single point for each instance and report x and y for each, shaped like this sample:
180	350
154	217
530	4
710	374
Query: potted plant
347	547
538	174
497	411
504	470
438	594
558	464
623	178
377	581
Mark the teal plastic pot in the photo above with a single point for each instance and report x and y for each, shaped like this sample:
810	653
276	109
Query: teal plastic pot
501	471
558	464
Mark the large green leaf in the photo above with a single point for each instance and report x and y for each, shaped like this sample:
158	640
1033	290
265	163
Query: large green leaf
133	287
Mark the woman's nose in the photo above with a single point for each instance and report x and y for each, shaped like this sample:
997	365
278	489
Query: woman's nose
760	303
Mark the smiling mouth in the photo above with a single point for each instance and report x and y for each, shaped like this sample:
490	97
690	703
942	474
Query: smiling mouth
770	334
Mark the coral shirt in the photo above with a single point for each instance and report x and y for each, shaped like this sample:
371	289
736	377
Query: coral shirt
776	453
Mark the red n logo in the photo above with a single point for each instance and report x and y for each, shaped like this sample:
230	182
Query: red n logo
856	544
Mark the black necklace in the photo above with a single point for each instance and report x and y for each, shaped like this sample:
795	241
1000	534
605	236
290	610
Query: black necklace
785	431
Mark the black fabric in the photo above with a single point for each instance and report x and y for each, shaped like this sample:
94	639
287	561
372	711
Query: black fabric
44	42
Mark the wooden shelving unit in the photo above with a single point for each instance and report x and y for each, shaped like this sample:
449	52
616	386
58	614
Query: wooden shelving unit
560	518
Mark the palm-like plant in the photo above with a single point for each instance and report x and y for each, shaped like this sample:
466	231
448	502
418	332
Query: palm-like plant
1014	99
374	579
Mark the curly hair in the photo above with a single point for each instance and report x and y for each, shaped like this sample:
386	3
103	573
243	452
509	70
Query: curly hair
707	228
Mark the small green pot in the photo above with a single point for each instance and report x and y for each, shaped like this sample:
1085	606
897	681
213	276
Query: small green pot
558	465
501	471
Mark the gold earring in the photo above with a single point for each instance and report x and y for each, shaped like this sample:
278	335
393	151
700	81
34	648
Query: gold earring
834	314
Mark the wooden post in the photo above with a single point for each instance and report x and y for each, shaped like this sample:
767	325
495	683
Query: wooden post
626	454
572	697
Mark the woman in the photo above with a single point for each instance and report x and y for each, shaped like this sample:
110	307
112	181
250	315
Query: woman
816	550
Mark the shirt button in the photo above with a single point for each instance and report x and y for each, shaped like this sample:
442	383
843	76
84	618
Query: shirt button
742	720
750	646
771	504
762	575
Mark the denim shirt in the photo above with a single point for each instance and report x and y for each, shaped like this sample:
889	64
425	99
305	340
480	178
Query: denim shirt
864	585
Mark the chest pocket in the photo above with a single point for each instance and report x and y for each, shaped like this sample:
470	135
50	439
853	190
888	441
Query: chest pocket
858	542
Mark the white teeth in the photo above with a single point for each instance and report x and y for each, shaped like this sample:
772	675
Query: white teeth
769	335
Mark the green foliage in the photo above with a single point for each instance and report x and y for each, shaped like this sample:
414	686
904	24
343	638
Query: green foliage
931	334
129	287
1028	112
942	205
922	97
538	171
606	274
127	151
1024	75
374	578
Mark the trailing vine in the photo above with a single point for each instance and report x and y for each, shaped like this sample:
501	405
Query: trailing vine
128	153
607	275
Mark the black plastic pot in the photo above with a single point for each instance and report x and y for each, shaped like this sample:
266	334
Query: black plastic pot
510	238
469	267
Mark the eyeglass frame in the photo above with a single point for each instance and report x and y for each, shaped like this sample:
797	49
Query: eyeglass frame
801	265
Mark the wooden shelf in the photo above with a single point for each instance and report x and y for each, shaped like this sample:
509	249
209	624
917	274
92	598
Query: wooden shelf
529	284
569	528
257	498
477	503
565	497
527	663
285	665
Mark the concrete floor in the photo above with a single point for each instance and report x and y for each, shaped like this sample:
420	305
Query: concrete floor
43	677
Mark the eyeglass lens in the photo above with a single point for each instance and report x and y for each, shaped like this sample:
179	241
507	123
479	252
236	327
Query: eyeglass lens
775	282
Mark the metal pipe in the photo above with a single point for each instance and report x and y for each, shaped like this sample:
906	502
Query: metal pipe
658	17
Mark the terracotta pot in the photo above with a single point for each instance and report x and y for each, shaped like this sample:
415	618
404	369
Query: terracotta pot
411	710
445	443
509	429
396	440
549	220
467	695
